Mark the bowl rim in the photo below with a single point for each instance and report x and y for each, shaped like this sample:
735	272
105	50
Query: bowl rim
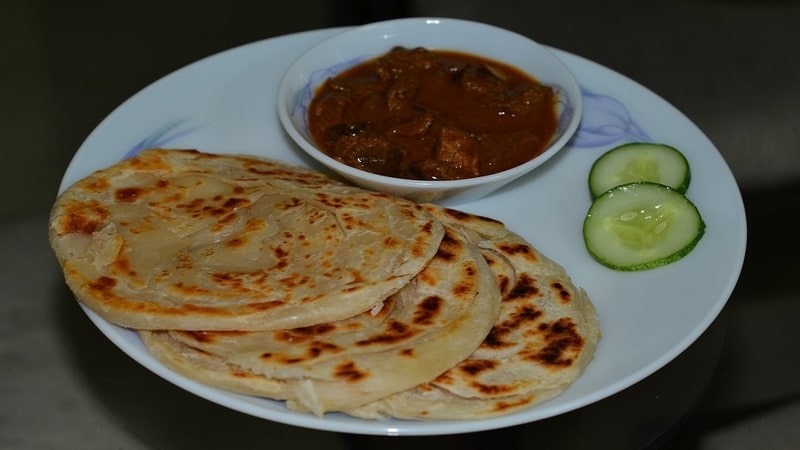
310	148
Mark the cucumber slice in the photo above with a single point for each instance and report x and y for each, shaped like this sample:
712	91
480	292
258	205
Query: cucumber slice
627	163
641	225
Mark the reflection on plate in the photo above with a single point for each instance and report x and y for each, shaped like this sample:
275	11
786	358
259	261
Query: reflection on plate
226	104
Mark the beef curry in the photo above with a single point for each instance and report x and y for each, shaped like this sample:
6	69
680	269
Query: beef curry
432	115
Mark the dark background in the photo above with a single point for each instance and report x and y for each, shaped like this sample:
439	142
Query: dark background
731	66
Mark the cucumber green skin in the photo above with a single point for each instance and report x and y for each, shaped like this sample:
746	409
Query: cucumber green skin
590	233
608	163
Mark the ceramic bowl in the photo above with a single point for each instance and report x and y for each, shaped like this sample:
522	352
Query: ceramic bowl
356	45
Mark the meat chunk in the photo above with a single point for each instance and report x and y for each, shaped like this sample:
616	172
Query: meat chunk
455	156
528	99
369	152
400	60
400	96
417	126
479	80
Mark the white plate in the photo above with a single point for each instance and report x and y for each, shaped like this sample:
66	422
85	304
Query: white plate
226	103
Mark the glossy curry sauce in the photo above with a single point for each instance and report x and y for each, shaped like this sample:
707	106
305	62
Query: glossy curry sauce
432	115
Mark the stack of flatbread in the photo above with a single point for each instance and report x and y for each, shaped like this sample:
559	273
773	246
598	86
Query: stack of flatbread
277	281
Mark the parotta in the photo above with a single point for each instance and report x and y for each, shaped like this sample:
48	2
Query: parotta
179	239
277	281
433	323
544	338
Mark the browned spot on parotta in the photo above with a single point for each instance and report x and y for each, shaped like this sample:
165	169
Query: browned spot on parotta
349	372
82	219
561	344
